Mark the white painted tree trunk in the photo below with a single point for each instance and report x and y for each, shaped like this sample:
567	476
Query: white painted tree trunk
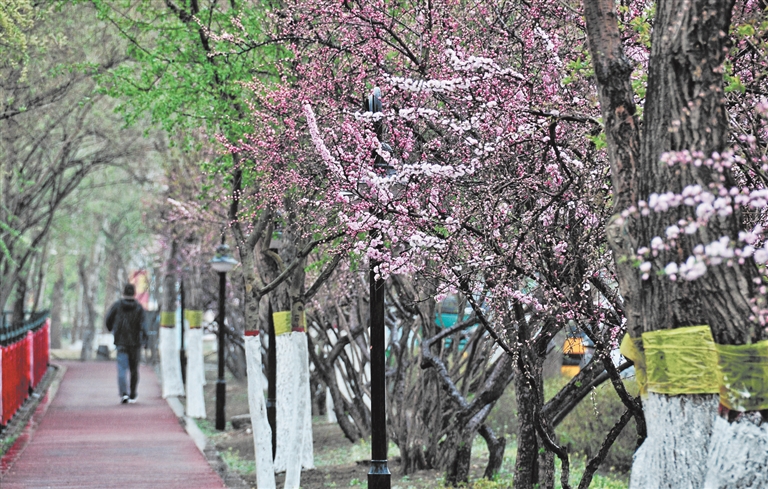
294	408
285	400
674	455
305	400
195	374
262	433
299	434
329	412
738	456
170	365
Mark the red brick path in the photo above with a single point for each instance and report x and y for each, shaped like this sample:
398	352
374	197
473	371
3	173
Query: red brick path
87	439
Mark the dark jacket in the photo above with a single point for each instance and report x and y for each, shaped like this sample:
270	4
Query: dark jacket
125	320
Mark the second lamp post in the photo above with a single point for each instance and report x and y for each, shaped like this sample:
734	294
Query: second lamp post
378	474
222	262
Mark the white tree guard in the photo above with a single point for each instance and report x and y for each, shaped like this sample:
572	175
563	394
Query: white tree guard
195	374
285	400
170	365
294	407
305	395
674	455
329	412
738	456
262	433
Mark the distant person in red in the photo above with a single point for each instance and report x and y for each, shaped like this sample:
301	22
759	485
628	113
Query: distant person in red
125	320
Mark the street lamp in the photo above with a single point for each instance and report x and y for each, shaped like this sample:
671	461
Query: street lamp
379	476
182	352
222	262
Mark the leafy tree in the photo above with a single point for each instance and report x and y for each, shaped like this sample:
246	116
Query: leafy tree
56	130
16	19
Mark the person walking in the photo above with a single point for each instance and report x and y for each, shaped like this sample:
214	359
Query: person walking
125	320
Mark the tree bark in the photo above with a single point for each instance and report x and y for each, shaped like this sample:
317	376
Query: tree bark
89	313
684	110
169	350
20	300
57	300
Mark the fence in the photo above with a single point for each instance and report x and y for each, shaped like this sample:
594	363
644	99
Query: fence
24	354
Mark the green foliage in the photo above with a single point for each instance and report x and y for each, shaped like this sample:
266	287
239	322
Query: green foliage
16	17
599	141
642	25
579	69
182	77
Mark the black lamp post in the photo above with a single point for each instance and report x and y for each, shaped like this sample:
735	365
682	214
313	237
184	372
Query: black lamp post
222	262
182	352
379	476
275	244
272	382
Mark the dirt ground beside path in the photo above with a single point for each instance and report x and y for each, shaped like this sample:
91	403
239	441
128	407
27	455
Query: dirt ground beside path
339	463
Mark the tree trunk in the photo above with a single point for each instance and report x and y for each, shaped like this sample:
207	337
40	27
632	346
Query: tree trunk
684	110
89	313
195	375
112	289
19	301
57	300
77	317
169	349
533	467
679	432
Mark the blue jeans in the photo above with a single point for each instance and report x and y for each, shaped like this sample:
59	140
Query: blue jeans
128	359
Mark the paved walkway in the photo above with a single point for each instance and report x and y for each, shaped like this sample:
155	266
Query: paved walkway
87	439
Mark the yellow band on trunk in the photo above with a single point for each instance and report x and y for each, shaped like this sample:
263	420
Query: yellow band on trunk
168	319
282	322
194	318
743	376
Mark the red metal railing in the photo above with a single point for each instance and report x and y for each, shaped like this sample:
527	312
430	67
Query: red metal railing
22	366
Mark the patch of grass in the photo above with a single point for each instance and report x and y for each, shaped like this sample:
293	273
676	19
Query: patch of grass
344	454
505	477
208	428
350	453
239	465
7	443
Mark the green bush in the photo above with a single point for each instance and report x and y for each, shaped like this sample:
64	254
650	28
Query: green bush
585	428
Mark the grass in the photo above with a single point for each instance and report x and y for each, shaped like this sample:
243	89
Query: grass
208	428
238	464
7	443
345	455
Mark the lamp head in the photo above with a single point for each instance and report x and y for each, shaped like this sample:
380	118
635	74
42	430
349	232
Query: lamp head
222	260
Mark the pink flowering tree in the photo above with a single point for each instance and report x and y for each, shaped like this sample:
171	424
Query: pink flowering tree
496	187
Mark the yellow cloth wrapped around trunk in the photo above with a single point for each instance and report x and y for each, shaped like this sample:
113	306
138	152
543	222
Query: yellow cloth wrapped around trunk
282	322
675	361
744	376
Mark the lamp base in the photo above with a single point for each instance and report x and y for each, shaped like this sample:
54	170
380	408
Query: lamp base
379	476
221	389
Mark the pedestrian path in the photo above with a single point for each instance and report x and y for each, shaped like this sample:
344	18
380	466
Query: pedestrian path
87	439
